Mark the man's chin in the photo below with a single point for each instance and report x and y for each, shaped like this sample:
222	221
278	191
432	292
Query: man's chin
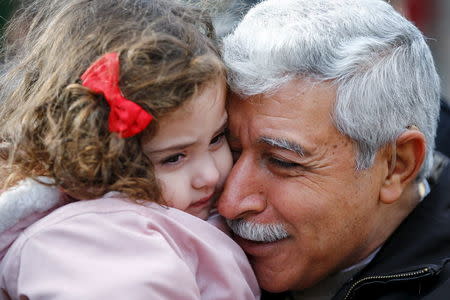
276	276
259	248
271	264
277	281
273	281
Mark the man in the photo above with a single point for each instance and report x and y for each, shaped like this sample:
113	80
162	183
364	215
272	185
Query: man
332	124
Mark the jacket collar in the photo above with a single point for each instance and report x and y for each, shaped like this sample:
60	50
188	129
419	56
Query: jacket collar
416	249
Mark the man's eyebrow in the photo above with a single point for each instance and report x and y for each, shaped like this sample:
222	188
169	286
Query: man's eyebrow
284	144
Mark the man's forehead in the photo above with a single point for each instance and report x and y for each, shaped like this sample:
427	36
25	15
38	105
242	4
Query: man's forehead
291	90
298	112
294	108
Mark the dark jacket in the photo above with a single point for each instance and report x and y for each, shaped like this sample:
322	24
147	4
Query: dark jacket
443	129
414	263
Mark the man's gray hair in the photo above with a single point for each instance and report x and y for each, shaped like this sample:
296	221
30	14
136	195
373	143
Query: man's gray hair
379	62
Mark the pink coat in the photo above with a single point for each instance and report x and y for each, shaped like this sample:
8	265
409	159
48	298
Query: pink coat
111	248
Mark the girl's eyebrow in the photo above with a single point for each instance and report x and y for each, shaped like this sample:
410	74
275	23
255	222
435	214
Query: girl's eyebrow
174	147
183	145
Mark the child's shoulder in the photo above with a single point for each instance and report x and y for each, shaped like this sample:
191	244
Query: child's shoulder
111	215
85	240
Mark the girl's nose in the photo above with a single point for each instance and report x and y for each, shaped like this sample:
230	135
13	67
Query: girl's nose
207	174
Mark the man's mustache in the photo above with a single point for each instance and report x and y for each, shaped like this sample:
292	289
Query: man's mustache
257	232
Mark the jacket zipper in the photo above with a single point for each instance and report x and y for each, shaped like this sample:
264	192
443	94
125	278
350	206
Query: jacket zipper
394	276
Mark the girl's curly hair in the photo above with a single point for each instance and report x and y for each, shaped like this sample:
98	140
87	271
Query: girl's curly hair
56	127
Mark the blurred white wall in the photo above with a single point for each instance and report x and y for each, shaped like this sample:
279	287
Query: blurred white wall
441	48
433	18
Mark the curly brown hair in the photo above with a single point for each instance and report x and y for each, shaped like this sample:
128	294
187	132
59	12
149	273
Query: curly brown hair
56	127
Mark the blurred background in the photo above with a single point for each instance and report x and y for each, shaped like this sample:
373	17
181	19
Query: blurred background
431	16
6	8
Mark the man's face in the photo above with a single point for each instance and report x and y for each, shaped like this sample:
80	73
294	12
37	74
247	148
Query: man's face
294	169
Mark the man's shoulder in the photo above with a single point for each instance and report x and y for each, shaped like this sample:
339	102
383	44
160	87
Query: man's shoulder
416	257
276	296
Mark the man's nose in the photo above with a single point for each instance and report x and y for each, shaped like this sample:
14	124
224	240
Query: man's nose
243	194
207	173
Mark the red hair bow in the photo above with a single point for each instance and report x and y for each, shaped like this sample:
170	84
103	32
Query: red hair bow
126	117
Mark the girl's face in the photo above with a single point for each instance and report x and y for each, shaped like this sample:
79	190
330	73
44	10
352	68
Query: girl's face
190	152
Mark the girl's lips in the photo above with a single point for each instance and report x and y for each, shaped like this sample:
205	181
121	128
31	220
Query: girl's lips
202	202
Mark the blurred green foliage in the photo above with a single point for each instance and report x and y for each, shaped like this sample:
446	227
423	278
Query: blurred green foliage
6	9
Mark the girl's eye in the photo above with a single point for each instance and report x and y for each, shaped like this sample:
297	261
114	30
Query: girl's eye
218	138
173	159
235	153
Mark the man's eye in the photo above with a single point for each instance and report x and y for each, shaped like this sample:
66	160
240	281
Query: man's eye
173	159
218	138
283	164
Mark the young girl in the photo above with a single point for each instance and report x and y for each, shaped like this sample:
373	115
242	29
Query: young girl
120	104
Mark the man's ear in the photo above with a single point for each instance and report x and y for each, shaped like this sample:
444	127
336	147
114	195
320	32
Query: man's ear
406	158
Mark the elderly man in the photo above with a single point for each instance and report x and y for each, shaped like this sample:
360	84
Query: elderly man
332	124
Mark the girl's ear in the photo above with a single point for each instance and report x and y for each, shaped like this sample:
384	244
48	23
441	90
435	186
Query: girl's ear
406	159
